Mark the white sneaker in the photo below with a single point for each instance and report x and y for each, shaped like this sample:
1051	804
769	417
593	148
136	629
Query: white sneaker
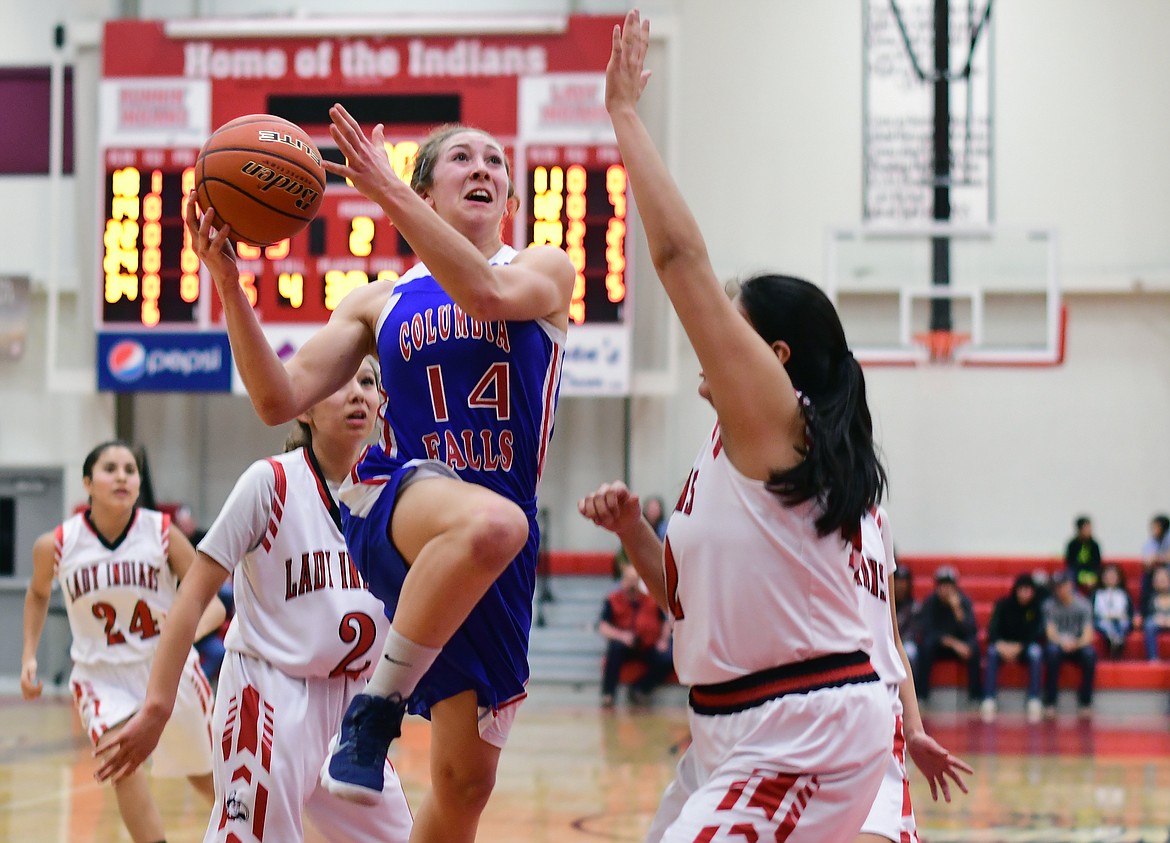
987	711
1034	710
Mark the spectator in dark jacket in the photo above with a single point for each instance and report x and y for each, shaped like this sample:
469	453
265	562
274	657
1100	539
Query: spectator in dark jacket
1082	557
1014	633
948	632
907	607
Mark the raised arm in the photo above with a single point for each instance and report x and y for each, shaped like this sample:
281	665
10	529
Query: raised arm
615	508
279	391
36	609
750	390
537	284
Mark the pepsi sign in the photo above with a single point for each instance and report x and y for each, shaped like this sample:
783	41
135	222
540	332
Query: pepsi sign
154	362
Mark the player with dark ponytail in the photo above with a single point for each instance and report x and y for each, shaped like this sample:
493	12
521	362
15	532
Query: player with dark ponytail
792	728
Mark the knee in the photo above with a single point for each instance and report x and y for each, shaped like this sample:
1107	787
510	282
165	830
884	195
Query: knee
498	531
465	788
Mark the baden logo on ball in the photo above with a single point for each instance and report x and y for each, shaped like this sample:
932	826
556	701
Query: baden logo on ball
262	175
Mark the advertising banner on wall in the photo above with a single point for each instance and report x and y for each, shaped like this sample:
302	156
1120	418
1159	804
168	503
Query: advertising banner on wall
149	361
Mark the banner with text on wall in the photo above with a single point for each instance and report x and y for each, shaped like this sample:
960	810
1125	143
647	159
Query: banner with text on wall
541	95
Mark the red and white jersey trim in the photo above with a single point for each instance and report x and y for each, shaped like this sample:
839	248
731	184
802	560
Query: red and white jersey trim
756	586
871	575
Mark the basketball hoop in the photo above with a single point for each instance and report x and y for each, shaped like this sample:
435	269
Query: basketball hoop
941	345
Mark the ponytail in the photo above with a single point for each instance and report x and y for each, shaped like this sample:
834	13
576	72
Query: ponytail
841	470
301	436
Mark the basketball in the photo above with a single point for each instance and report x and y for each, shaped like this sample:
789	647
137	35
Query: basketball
262	176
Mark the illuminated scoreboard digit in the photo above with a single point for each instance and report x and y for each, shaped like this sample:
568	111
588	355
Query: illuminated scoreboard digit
150	271
577	202
350	243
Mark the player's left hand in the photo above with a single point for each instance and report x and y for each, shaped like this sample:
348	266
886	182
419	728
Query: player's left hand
936	763
625	75
367	166
612	507
124	750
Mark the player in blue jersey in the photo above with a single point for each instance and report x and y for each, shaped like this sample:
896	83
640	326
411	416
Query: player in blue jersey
470	343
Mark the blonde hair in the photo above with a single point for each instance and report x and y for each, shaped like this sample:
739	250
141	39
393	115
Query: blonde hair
428	156
301	434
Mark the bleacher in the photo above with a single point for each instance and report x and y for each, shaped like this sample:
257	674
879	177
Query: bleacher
566	647
986	579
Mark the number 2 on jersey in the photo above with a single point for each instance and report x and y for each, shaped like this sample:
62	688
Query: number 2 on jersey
358	629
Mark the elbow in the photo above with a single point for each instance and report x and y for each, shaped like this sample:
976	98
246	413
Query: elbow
270	411
674	253
484	304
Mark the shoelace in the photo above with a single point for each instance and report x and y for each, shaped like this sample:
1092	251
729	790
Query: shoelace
371	733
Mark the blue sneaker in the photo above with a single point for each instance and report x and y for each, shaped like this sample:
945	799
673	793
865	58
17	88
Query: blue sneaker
356	764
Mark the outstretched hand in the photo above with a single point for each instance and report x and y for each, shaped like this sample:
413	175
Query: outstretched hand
936	763
125	751
625	76
367	166
612	507
212	245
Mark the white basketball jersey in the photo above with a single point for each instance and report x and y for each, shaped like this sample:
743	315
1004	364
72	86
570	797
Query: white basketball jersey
116	593
749	581
300	603
871	576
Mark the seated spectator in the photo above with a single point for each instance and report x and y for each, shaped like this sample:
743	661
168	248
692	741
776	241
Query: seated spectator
653	510
1155	552
1014	634
655	513
1068	622
1156	612
947	621
1082	557
635	629
1113	609
907	608
1040	581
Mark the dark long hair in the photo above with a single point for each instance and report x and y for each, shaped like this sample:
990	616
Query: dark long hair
841	469
145	490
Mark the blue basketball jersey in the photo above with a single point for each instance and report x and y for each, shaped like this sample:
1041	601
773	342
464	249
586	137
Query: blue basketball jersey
479	396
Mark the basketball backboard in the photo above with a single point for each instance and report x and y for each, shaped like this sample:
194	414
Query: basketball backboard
1003	294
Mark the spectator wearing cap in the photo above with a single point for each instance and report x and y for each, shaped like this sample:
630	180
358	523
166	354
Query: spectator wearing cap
1014	633
1068	623
907	607
947	621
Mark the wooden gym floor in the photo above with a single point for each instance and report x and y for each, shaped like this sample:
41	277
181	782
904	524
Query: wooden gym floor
575	773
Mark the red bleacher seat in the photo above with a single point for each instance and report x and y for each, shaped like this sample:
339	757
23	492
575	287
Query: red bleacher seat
984	579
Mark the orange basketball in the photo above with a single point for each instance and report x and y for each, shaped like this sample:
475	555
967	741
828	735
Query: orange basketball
263	177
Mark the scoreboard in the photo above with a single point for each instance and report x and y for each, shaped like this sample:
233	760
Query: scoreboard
541	95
